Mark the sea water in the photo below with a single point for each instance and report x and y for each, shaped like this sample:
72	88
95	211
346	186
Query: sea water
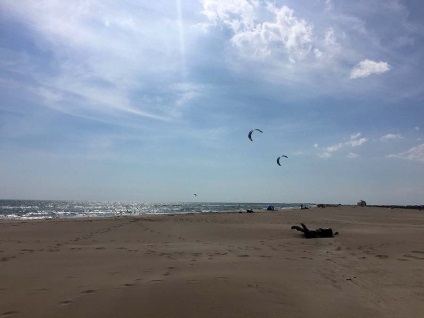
48	209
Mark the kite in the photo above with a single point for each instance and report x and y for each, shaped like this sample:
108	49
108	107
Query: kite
278	159
250	133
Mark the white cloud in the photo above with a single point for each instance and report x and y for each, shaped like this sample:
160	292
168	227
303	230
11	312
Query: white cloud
330	37
335	147
417	128
318	53
367	67
353	142
356	143
329	4
352	155
354	136
104	55
235	14
415	153
316	45
260	30
391	137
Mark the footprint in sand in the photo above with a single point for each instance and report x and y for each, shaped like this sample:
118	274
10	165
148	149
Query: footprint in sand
65	302
9	313
382	256
39	290
114	273
304	257
156	280
252	285
413	256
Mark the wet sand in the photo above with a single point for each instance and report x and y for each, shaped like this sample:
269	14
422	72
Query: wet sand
216	265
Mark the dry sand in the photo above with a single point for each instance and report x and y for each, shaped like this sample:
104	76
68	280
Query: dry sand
216	265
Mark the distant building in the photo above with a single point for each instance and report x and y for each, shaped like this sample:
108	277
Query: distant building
362	203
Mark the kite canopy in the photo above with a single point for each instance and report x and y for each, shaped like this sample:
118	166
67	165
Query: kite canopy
278	159
250	133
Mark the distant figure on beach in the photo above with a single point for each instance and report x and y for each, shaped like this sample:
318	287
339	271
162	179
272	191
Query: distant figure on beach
328	232
361	203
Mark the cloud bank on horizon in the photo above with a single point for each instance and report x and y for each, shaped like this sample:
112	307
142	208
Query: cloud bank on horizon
137	82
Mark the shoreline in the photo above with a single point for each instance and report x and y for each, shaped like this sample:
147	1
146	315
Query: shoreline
71	209
29	210
392	206
141	215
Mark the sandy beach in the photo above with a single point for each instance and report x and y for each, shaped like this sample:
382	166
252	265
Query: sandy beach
216	265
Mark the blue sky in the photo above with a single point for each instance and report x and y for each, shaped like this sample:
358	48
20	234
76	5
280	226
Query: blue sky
153	100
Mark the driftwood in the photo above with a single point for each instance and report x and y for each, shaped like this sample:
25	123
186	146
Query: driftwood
314	233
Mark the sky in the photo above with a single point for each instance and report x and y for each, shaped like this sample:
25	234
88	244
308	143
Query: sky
153	100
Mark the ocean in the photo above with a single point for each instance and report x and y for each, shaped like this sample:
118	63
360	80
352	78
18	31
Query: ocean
49	209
